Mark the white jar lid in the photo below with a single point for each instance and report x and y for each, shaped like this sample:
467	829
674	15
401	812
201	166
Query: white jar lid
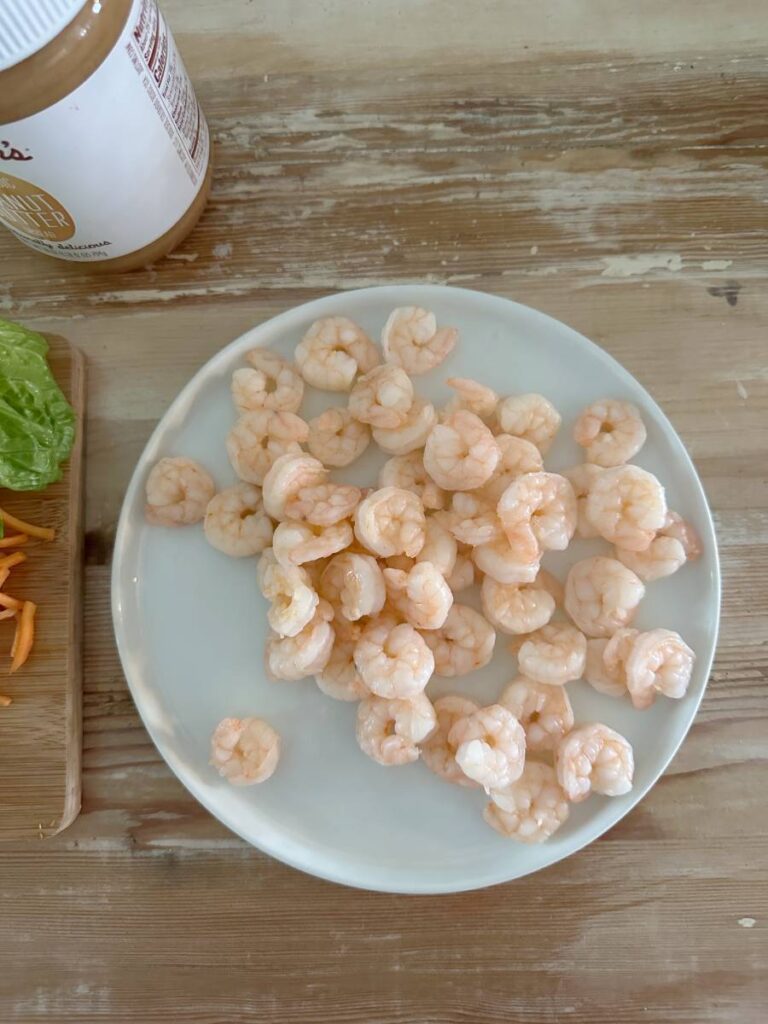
26	26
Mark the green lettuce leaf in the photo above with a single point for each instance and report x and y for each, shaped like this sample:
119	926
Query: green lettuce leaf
37	423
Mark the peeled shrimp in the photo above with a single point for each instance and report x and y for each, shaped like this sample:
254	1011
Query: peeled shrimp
271	383
333	351
502	562
612	432
518	456
463	643
439	547
663	557
626	505
336	438
437	753
421	595
677	527
295	543
407	472
391	521
354	584
389	731
258	438
531	809
462	574
542	504
461	453
412	433
293	598
581	478
544	711
324	504
382	397
554	654
602	595
393	661
516	608
288	475
245	751
236	523
178	491
472	396
596	673
659	662
340	678
411	339
471	519
531	417
490	746
305	654
594	758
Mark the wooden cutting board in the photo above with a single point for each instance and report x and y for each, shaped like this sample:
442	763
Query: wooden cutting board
40	731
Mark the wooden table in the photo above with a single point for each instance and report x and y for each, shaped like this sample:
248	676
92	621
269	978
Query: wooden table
603	162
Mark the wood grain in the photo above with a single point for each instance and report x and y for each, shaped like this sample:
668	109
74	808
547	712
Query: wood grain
604	163
40	731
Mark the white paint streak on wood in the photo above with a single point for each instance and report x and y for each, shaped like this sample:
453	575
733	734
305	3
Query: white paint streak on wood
716	264
632	266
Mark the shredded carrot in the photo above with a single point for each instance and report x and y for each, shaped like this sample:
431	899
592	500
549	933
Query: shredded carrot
9	613
4	574
25	635
10	560
6	601
14	541
4	701
43	532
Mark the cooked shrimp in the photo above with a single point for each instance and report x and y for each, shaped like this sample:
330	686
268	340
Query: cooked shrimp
461	453
581	478
333	351
236	523
659	662
289	475
412	433
389	731
471	519
594	758
663	557
472	396
531	417
554	654
178	491
411	339
259	438
602	595
677	527
340	678
244	750
544	711
516	607
293	598
295	543
382	397
501	561
272	383
596	671
541	503
626	505
463	643
305	654
336	438
531	809
612	432
354	584
518	456
391	521
324	504
393	661
421	595
437	753
490	746
439	547
408	473
462	574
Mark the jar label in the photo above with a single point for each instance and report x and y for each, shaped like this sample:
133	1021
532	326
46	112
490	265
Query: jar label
117	162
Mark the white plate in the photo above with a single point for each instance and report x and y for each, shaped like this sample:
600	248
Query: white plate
191	624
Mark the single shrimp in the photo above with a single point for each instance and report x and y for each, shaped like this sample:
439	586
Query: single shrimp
236	523
293	599
412	433
531	417
333	351
244	751
393	661
340	679
516	607
421	595
354	584
382	397
502	562
258	438
531	809
663	557
490	746
471	519
594	758
581	478
439	547
336	438
544	711
463	643
596	671
270	383
437	753
389	731
611	431
407	472
518	456
324	504
295	543
289	475
411	339
681	530
659	662
540	503
554	654
626	505
461	454
305	654
391	521
178	491
462	575
602	595
472	396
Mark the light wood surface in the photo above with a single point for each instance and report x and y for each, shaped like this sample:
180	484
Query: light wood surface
40	730
602	162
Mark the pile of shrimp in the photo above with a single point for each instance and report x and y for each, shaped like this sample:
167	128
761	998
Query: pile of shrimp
366	587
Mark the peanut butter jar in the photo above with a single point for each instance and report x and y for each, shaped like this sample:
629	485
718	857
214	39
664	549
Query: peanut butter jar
104	150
